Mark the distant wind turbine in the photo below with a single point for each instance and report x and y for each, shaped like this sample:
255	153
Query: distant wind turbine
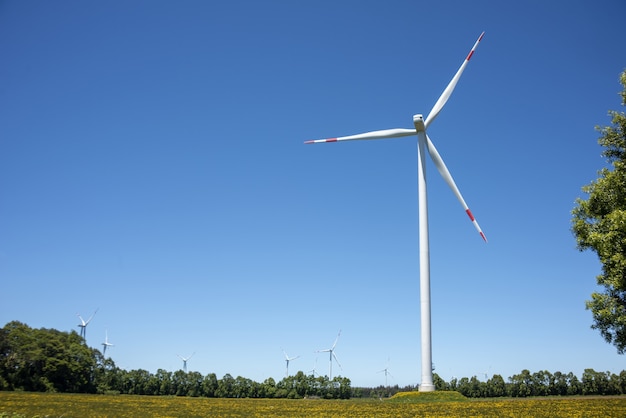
314	371
184	359
425	148
386	371
486	374
83	324
106	343
331	355
287	360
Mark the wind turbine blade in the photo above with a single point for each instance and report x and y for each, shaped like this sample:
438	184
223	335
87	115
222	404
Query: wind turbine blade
384	134
191	355
445	173
336	339
91	317
337	360
448	91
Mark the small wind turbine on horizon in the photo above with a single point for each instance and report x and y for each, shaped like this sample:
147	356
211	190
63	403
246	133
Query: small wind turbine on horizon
106	343
184	359
386	371
83	324
486	374
331	354
425	147
314	371
287	360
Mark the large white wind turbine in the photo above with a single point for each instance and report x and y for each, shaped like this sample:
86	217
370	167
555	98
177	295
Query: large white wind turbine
287	360
425	145
83	324
184	359
106	343
331	354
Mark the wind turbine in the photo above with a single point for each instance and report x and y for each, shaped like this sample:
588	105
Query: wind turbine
425	146
106	343
386	371
314	371
331	354
184	359
486	374
83	324
287	360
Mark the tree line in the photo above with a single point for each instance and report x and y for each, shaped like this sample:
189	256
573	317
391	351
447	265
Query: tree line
48	360
522	385
540	383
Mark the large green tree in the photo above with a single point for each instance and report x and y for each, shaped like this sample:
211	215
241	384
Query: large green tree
45	360
599	224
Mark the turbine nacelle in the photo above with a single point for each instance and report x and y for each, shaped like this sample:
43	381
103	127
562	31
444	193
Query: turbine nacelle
418	121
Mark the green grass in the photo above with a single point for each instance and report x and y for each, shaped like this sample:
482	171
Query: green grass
426	397
437	404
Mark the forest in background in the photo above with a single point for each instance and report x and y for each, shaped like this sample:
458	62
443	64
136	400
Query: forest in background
48	360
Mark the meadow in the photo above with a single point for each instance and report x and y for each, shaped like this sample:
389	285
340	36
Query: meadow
31	405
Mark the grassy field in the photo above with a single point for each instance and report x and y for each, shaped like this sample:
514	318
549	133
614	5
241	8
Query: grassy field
30	405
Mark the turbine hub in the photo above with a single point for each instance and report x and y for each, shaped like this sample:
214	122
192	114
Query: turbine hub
418	121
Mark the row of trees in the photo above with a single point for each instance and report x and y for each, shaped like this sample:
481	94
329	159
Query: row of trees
180	383
525	384
541	383
47	360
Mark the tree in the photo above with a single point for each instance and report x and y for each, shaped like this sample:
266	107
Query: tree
165	382
209	385
225	387
599	224
559	384
496	386
521	384
45	360
439	383
268	388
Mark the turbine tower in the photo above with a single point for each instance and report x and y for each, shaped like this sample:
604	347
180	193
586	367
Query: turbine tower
287	360
83	324
106	343
184	359
425	146
331	355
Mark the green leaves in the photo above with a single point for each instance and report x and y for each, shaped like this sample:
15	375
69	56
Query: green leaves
599	224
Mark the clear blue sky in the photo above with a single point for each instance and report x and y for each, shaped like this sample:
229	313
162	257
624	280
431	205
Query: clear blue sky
152	165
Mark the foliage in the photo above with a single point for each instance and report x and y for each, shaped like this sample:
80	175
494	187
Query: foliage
47	360
599	224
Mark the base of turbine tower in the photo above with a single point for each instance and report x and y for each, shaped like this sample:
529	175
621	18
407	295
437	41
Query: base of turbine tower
427	388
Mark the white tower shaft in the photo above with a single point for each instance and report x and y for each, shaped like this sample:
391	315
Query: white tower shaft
424	258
